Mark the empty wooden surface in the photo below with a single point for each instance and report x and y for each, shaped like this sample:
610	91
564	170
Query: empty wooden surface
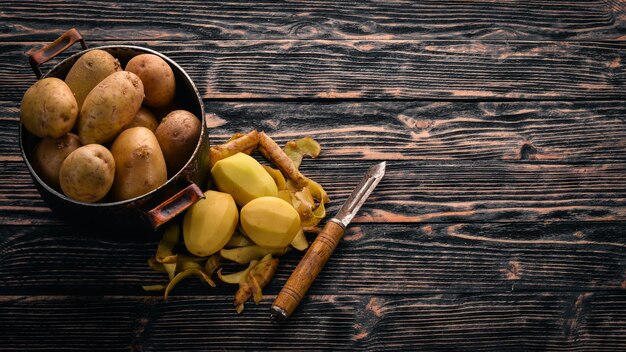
498	226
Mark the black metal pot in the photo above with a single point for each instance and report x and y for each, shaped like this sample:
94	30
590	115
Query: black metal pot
144	213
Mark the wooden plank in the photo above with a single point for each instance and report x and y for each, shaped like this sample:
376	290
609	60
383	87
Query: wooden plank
579	131
532	20
372	259
400	130
563	321
360	70
455	191
423	141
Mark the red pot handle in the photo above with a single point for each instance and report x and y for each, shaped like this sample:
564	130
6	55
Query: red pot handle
178	203
53	49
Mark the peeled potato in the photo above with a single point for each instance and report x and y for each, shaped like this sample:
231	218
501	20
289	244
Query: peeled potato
244	178
157	77
270	222
210	223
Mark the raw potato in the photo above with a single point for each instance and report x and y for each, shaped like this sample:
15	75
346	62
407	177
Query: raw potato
111	105
89	70
49	108
50	153
209	223
157	77
141	166
178	136
144	118
86	174
244	178
270	222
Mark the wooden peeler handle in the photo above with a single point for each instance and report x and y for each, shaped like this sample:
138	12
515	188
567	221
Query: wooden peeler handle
307	270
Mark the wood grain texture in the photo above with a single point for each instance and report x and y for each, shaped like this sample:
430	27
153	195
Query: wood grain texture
371	259
397	130
581	131
424	70
469	148
499	226
429	191
193	20
563	321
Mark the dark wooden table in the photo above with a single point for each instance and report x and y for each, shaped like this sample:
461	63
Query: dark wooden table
500	225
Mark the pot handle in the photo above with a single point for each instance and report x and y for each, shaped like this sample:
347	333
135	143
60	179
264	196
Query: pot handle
53	49
167	210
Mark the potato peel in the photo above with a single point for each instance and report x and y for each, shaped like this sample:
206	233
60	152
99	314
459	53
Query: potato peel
251	281
305	195
180	276
297	149
243	255
165	249
245	143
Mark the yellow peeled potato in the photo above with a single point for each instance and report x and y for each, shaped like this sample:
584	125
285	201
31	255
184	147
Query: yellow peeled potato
270	222
210	223
140	163
89	70
48	108
157	77
110	106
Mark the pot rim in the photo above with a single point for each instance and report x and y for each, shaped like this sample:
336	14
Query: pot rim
173	178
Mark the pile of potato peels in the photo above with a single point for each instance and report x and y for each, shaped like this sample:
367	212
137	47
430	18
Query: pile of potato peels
251	215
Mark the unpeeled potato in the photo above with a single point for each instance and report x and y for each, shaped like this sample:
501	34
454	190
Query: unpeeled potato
50	153
178	136
157	77
89	70
49	108
144	118
141	166
86	174
110	106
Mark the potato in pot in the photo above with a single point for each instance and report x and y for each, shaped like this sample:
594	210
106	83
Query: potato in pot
86	174
48	108
50	153
144	118
89	70
157	77
178	136
110	106
140	163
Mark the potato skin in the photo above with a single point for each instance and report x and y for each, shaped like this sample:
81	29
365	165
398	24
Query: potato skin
50	153
178	136
86	174
49	108
144	118
111	105
89	70
140	163
157	77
